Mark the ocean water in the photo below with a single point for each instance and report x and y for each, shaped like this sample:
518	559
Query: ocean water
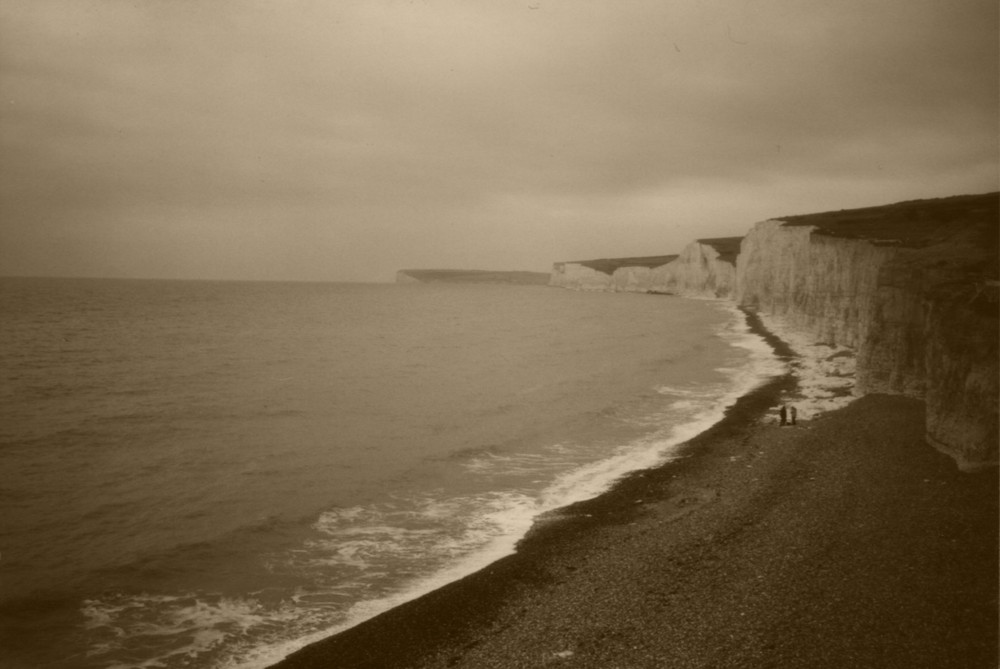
212	474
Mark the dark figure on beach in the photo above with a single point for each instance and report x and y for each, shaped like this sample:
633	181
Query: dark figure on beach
793	413
783	414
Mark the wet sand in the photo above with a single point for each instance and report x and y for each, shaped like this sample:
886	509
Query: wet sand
842	542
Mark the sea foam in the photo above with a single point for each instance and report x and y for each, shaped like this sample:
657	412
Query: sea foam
365	558
486	528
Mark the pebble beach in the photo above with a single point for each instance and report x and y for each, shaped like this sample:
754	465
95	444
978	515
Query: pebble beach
844	541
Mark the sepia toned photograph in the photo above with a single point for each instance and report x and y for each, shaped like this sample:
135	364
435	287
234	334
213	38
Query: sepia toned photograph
499	334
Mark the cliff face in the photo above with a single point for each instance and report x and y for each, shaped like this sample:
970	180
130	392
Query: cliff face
821	285
403	276
611	274
935	334
910	287
962	372
703	269
700	271
577	276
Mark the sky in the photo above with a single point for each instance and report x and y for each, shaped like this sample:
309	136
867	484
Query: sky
343	140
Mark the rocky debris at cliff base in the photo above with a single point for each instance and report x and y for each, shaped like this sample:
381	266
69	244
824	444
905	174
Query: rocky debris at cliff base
826	372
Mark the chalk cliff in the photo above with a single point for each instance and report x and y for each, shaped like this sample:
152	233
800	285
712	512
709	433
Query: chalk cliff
577	276
704	268
911	288
934	333
600	274
819	284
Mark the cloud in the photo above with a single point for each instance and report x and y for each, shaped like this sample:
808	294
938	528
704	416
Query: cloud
409	130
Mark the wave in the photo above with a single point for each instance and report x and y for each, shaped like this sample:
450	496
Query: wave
151	625
364	559
487	527
470	453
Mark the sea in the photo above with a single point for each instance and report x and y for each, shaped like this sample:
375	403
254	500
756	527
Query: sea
214	474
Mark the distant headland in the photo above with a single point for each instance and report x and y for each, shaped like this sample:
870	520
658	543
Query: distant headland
470	276
909	290
840	541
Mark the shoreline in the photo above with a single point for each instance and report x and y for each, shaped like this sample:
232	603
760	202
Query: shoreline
571	518
635	572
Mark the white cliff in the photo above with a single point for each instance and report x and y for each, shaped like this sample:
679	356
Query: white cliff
919	311
633	279
703	269
821	285
577	276
900	299
934	333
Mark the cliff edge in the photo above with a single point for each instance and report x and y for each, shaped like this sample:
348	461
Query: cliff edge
705	268
903	299
604	274
912	288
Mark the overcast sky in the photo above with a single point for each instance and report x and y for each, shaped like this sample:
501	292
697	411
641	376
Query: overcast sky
342	140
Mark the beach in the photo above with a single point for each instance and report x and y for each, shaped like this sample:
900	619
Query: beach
844	541
229	518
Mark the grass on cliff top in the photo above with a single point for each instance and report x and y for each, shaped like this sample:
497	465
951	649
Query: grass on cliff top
914	223
727	247
609	265
950	245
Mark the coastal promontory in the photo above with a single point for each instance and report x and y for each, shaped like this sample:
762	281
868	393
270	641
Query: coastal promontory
470	276
909	290
843	540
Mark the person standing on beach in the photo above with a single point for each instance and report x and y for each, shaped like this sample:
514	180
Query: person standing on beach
783	415
793	413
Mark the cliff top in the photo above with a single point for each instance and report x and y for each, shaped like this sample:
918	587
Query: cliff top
471	276
913	223
609	265
727	247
